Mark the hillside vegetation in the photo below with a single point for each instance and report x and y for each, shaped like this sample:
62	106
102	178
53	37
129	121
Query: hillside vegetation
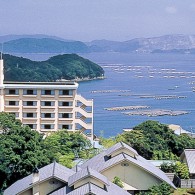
154	140
23	149
67	66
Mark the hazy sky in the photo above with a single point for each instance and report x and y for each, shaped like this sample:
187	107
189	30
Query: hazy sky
87	20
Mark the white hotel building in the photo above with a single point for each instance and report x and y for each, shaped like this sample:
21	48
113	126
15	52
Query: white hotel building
47	106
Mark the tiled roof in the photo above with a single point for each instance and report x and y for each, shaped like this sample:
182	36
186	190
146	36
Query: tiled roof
52	170
190	158
86	172
111	189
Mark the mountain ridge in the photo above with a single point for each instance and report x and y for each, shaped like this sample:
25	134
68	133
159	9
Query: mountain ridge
166	43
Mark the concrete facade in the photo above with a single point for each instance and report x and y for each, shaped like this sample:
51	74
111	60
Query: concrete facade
47	106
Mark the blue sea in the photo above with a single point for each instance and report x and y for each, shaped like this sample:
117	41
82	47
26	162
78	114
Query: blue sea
129	78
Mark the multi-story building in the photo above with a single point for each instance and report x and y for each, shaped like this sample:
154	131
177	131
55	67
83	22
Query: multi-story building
47	106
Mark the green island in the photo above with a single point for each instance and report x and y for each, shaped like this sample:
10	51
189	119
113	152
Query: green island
60	67
22	149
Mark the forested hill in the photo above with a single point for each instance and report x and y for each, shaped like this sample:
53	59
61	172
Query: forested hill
67	66
44	45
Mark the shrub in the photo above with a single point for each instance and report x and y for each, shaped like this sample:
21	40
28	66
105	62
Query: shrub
118	182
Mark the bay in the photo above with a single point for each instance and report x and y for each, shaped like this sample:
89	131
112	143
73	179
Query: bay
141	75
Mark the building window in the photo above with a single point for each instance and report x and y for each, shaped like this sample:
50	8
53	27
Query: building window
65	104
30	92
47	126
29	115
13	103
65	115
29	103
64	126
47	103
12	92
47	115
47	92
65	92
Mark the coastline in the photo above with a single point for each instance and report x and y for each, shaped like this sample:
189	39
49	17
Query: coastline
83	79
88	79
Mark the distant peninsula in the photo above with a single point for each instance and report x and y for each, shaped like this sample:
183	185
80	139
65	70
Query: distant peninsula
60	67
175	43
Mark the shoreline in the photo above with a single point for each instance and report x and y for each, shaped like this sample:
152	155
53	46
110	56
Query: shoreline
88	79
82	79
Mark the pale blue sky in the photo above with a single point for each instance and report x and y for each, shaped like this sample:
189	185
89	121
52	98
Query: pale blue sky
87	20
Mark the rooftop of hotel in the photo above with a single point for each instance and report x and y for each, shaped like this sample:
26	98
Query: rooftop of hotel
41	83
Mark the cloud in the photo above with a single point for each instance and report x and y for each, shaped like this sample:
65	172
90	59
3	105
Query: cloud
171	10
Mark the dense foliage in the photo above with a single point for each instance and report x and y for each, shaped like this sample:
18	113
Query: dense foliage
154	140
65	147
22	149
179	168
162	189
67	66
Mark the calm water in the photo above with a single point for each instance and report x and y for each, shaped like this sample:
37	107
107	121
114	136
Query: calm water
151	74
141	74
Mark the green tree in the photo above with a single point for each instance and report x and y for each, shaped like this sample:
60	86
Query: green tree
168	167
154	140
161	189
181	170
107	142
64	147
118	182
139	142
21	149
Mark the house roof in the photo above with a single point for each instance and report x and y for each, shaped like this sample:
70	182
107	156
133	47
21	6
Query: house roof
87	172
87	188
190	158
118	146
54	170
90	169
62	173
101	162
